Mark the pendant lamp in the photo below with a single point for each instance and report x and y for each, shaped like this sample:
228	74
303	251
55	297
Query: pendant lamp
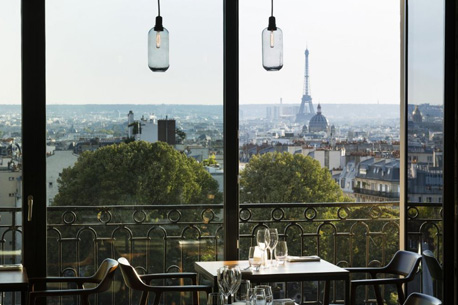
272	45
158	45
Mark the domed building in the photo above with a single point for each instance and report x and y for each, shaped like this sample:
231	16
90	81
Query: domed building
318	122
416	115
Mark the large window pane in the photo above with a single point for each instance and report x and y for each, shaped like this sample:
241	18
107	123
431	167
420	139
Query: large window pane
319	139
134	157
10	139
425	130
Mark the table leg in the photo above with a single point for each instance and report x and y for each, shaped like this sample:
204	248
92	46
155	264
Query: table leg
347	291
326	293
24	294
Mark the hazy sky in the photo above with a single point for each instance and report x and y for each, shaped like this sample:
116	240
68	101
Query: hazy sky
97	51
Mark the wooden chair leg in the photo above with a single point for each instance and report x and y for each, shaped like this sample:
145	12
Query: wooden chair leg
378	295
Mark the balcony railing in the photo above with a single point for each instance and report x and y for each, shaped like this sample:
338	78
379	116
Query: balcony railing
171	237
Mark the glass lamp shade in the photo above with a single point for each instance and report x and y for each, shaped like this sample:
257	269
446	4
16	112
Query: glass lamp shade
272	49
158	50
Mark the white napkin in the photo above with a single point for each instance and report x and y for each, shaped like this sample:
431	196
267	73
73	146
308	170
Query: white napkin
311	258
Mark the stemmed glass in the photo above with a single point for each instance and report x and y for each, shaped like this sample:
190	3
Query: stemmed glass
272	242
263	239
229	279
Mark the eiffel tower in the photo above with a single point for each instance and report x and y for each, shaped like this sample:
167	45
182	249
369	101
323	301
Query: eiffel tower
306	111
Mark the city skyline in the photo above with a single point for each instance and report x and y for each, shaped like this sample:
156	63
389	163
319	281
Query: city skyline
105	62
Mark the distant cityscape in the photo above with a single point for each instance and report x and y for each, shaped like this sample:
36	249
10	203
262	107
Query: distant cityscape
358	143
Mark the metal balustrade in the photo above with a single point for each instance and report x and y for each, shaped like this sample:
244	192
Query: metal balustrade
165	238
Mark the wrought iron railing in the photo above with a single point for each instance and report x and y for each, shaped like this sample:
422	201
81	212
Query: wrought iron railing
171	237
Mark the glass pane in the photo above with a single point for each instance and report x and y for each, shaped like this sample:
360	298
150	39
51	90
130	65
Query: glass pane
425	130
10	133
10	140
134	156
319	139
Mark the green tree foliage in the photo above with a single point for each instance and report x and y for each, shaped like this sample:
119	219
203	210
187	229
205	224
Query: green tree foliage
136	173
284	177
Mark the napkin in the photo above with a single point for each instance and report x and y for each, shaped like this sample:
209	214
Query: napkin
283	302
311	258
10	267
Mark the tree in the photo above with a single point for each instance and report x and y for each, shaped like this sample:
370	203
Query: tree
136	173
285	178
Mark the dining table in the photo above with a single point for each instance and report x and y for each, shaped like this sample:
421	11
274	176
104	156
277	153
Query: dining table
320	270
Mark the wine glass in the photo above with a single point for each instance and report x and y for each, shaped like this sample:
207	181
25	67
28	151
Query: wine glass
272	242
281	252
262	239
221	275
229	279
256	296
268	292
236	280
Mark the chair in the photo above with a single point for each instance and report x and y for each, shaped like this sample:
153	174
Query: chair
422	299
141	282
435	269
102	278
403	263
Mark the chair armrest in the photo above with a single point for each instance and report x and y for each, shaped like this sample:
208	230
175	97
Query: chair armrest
371	270
149	277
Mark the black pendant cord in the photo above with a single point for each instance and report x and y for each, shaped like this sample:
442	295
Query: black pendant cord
271	10
159	7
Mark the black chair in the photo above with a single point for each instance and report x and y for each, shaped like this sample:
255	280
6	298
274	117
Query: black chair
142	282
435	269
102	280
403	266
422	299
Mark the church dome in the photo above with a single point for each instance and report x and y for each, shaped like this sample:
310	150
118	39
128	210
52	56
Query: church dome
318	122
416	115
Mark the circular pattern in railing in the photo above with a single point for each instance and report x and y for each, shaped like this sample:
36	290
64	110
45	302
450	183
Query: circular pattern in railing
174	216
375	212
310	213
104	216
139	216
412	212
245	214
343	213
278	214
69	217
208	215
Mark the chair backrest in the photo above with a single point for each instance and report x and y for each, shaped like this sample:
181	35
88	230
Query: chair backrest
422	299
434	267
130	275
104	275
404	263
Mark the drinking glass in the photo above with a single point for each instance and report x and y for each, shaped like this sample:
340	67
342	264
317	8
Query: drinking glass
281	252
215	298
268	292
272	243
255	257
223	276
256	296
236	280
262	239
